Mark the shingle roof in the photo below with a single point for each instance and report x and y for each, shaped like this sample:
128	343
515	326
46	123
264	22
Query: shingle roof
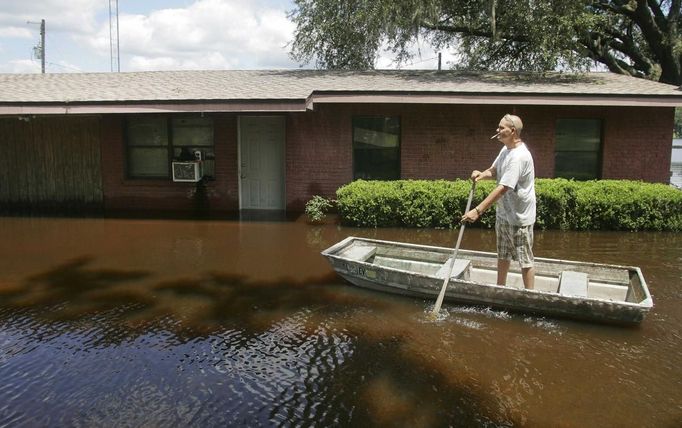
230	85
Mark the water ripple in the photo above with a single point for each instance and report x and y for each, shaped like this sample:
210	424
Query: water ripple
152	342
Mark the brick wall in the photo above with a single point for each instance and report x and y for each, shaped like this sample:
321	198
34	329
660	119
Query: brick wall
638	144
318	154
448	141
437	141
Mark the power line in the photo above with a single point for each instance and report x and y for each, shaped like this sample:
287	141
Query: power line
417	62
423	60
64	66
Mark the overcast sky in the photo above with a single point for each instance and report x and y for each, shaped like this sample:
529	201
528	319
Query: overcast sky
155	35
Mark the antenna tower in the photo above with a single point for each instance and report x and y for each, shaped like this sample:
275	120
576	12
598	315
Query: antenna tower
113	36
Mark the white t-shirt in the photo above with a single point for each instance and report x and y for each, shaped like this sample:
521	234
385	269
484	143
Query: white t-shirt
516	171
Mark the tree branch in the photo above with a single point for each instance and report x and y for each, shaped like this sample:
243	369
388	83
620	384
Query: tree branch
655	7
651	32
674	13
627	48
597	50
617	7
470	31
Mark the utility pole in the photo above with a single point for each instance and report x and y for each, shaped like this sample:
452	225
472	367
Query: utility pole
42	46
40	49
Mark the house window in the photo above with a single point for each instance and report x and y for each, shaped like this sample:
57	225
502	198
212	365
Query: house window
155	141
376	148
578	149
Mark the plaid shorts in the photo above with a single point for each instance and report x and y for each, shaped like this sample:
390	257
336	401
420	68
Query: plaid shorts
515	243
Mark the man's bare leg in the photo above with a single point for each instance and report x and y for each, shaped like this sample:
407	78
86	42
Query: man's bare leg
528	275
502	269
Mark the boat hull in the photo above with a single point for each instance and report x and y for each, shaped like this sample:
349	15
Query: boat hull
366	274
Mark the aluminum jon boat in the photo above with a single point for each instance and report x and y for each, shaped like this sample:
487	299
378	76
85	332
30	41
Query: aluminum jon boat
567	289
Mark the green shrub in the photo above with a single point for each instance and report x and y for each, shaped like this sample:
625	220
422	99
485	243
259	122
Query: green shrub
561	204
627	205
555	203
317	208
408	203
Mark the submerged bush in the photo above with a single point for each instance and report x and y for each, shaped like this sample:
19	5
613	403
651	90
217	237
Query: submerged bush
317	208
561	204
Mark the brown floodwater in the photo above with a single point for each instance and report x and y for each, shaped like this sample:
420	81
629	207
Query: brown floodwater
137	322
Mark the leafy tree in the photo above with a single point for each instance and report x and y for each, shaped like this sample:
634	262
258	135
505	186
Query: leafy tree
677	130
641	38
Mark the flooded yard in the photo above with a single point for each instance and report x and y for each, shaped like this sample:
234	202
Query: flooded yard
135	322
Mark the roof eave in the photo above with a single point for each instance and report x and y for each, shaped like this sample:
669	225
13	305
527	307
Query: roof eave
129	107
497	98
334	97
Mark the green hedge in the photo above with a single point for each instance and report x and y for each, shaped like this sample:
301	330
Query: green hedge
562	204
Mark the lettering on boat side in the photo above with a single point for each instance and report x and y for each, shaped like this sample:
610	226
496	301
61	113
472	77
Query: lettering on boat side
361	271
371	274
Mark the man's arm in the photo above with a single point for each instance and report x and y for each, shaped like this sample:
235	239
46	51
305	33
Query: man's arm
488	174
492	197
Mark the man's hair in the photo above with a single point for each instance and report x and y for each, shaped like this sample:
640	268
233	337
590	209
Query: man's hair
515	122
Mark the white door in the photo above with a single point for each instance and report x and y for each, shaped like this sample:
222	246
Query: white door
261	162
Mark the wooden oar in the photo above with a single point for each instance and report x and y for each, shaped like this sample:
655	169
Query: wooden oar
441	296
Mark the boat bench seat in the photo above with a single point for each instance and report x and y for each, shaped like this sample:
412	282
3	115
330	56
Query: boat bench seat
360	253
573	284
460	270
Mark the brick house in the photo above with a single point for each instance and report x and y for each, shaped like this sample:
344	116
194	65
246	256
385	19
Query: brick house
272	139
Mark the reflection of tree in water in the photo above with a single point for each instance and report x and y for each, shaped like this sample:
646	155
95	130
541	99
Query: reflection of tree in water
218	300
74	291
340	373
399	388
302	352
87	291
314	237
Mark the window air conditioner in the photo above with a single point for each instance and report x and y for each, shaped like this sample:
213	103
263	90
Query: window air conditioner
187	171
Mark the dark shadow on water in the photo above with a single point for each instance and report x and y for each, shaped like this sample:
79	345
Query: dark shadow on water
398	390
76	291
311	351
226	300
86	291
386	379
384	382
73	276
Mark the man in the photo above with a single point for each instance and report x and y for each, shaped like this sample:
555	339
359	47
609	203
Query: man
515	173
